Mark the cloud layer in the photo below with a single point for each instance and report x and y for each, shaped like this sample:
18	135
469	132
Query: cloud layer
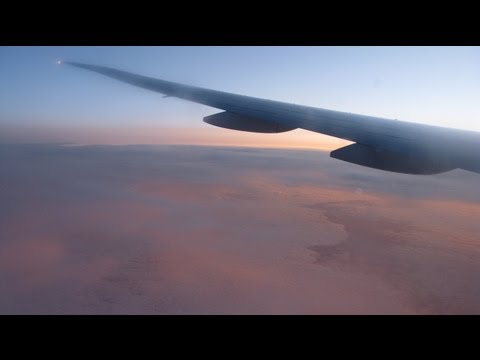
212	230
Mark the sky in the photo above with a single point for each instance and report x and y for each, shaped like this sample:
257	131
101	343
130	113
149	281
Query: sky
45	102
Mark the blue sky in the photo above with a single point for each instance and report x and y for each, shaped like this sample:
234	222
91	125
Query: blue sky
433	85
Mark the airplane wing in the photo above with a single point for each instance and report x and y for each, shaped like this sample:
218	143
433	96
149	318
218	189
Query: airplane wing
384	144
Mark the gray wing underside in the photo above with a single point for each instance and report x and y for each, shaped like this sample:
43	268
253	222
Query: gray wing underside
379	143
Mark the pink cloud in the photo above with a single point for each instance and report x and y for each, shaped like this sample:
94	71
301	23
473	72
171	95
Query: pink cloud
221	231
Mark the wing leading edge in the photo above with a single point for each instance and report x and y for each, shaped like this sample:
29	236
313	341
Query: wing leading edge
384	144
